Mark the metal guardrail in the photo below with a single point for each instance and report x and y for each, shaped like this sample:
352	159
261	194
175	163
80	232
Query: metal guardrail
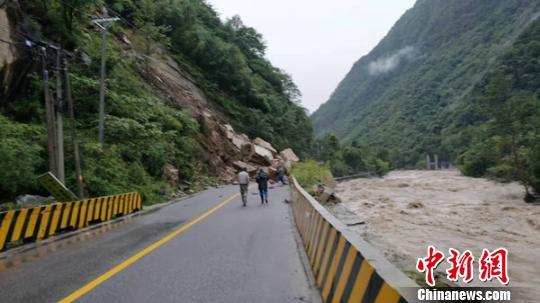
346	268
40	222
359	175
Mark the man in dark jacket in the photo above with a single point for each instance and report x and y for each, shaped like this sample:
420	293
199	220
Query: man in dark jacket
262	180
281	175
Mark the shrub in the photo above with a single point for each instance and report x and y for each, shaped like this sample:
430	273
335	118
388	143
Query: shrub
376	166
21	157
477	160
310	173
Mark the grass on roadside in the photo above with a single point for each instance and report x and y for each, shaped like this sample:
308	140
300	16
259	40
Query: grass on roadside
310	173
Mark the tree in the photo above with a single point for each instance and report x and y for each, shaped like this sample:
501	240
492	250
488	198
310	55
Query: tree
235	23
145	17
290	89
515	129
246	38
69	8
354	158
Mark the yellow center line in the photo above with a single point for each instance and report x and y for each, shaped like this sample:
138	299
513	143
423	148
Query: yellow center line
88	287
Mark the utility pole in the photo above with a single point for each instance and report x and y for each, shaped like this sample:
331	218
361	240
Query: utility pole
59	119
76	155
103	24
49	112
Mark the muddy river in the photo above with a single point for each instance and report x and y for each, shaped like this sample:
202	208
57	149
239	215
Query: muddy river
406	211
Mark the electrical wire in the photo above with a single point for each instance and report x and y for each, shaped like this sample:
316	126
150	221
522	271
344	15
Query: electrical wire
10	43
126	21
130	25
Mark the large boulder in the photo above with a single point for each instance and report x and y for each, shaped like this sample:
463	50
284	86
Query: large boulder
325	194
246	151
229	131
256	153
261	156
239	165
289	158
262	143
277	162
288	155
241	141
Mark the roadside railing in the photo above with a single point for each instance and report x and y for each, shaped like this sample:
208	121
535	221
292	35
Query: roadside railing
355	176
40	222
345	267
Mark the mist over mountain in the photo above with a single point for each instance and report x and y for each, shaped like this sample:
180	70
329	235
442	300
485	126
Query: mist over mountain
407	95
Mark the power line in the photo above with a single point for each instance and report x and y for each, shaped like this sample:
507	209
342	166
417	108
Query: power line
126	21
8	42
97	21
11	34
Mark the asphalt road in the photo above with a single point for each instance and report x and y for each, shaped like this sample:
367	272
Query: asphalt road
230	254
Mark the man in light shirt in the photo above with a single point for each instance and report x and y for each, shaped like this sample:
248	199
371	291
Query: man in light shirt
243	180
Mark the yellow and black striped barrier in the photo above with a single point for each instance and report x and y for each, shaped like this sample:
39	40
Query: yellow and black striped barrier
345	268
40	222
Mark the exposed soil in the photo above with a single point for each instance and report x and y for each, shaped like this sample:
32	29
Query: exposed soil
408	210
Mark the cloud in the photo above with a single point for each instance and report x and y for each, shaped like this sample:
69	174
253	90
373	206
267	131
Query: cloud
388	63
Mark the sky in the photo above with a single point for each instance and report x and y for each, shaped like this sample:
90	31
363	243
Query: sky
317	42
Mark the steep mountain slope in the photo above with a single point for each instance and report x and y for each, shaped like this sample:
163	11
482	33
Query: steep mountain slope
176	76
402	95
496	132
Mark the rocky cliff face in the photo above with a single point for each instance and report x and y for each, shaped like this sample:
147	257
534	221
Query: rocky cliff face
13	57
182	92
225	151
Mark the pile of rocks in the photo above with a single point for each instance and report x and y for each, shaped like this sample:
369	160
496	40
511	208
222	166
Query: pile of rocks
256	154
325	191
326	194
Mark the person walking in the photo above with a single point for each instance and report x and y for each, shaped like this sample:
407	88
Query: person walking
281	175
262	180
243	180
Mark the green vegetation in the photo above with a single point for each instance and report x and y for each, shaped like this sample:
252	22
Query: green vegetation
260	99
144	131
460	85
497	133
21	156
346	160
310	173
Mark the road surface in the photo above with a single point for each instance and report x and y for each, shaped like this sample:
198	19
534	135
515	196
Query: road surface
207	248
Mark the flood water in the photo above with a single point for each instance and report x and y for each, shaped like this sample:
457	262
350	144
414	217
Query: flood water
408	210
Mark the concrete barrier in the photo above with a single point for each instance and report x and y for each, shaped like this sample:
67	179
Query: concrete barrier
40	222
345	267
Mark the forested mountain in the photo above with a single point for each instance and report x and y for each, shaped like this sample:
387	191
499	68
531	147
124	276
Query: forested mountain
497	131
441	82
176	73
400	93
